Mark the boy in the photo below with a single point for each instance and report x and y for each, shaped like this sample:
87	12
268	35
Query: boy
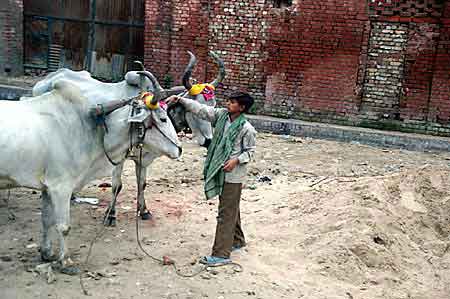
232	147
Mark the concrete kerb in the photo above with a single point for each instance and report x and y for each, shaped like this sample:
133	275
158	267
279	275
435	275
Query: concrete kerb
8	92
415	142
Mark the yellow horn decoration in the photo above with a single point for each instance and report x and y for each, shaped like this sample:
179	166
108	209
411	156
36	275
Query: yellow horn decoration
147	98
198	88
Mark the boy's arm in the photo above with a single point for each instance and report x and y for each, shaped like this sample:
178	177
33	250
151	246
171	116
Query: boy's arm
202	111
248	147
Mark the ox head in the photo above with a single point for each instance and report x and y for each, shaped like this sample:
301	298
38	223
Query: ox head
154	129
192	61
150	127
202	93
133	79
147	82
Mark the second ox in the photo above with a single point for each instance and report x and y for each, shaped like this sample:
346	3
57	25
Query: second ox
99	92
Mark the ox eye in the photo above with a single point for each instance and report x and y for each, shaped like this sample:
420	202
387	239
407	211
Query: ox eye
163	119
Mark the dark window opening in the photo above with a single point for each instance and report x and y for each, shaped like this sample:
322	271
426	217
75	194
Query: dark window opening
420	8
282	3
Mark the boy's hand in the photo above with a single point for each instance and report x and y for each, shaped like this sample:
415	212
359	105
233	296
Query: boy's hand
230	164
172	99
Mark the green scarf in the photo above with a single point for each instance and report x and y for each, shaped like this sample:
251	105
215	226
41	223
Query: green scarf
219	152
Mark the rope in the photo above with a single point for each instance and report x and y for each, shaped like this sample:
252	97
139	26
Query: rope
91	245
166	260
108	157
11	216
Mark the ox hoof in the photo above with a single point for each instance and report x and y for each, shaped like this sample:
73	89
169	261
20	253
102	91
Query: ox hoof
70	270
48	257
109	221
146	215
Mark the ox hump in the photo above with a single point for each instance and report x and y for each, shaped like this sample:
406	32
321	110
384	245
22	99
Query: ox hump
69	92
46	85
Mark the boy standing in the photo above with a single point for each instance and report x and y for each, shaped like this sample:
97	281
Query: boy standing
232	147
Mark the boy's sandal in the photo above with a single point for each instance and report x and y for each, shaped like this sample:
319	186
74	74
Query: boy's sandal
214	261
237	247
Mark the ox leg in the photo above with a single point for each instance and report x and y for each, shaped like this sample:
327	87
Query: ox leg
47	223
60	198
143	211
110	214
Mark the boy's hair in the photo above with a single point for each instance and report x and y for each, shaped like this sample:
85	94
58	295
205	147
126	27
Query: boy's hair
243	99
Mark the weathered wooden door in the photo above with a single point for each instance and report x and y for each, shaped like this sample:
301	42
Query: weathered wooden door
101	36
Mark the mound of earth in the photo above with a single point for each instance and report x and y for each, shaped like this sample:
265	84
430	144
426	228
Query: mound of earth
322	219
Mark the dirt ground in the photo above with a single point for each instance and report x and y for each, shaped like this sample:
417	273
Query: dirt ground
322	219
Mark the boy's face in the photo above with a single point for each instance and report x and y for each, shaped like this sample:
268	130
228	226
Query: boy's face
233	106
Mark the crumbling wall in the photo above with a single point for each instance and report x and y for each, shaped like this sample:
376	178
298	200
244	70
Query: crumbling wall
381	64
11	37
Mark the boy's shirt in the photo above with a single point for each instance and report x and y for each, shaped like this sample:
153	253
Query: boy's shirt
244	145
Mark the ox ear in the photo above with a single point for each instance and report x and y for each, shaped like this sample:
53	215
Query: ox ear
132	78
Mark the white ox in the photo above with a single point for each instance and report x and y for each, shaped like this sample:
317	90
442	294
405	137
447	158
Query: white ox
99	92
53	143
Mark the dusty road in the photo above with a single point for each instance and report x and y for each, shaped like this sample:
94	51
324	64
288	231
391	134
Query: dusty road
335	220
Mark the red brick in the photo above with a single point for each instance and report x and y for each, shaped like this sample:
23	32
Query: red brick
313	55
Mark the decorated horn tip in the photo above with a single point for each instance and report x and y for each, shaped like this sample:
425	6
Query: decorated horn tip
148	99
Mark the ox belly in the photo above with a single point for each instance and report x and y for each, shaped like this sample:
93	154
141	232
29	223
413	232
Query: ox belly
21	149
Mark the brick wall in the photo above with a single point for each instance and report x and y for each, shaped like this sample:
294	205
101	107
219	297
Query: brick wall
381	63
419	67
11	37
385	70
239	30
439	107
172	28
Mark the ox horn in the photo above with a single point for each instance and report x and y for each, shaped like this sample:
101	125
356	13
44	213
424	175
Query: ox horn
159	92
141	65
188	71
104	109
176	90
221	65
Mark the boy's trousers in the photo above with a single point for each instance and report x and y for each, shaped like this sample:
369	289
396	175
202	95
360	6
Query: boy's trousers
228	230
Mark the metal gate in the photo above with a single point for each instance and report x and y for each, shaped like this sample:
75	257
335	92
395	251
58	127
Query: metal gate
101	36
